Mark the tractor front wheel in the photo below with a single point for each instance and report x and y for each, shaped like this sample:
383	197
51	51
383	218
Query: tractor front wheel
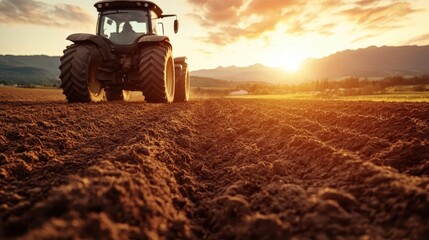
156	73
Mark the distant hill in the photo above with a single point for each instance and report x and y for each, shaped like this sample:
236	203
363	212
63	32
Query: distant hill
29	70
371	62
254	73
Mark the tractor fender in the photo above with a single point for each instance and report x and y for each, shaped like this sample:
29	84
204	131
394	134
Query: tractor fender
180	65
94	39
154	39
180	60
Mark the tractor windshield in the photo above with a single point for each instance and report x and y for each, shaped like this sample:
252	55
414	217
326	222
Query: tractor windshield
123	27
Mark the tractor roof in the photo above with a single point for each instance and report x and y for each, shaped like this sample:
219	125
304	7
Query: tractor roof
127	4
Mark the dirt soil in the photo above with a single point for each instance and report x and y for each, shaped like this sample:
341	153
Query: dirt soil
212	169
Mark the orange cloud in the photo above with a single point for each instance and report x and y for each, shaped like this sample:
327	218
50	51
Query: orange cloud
218	11
39	13
326	29
367	36
367	2
421	39
379	17
331	4
231	20
228	21
271	7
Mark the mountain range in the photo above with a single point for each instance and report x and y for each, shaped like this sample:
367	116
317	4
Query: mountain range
29	70
254	73
371	62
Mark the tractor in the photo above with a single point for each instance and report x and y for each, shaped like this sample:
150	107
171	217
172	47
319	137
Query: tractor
128	53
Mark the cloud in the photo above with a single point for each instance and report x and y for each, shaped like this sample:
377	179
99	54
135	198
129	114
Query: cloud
228	21
218	11
271	7
331	4
422	39
231	20
365	37
39	13
326	29
367	2
377	17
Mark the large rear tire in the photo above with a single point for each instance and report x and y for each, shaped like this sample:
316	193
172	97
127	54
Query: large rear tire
183	85
78	76
118	95
156	72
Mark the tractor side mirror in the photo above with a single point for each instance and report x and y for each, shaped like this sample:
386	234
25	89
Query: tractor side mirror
176	26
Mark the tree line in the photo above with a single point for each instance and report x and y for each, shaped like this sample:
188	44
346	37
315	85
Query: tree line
347	86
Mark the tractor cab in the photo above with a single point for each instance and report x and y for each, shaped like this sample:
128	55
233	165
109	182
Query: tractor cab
124	21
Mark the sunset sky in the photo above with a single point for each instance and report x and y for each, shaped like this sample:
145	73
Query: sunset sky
232	32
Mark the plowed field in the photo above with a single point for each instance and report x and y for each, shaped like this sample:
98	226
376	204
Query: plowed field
212	169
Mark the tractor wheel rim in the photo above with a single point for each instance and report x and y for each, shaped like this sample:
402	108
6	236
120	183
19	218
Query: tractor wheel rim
126	95
169	85
187	86
94	86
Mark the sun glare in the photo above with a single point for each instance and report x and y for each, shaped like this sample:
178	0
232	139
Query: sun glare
292	63
289	63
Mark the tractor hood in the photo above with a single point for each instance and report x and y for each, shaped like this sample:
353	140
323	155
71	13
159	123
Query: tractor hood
127	4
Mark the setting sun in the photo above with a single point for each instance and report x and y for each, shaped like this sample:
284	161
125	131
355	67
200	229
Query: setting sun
292	64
